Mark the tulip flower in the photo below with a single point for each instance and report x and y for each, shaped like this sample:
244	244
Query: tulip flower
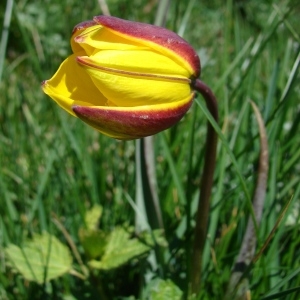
126	79
130	80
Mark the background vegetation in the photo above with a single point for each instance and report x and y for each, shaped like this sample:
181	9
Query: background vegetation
54	170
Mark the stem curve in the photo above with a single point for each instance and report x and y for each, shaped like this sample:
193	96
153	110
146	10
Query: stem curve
205	187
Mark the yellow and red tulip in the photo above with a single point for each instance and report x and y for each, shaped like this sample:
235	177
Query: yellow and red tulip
126	79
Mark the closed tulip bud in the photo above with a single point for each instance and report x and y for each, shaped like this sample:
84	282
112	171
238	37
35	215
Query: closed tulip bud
126	79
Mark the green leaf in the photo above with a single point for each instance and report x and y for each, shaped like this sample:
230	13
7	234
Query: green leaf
92	239
165	289
119	250
41	259
93	242
93	216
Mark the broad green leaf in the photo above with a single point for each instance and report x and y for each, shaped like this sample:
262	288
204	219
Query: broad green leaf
165	289
119	250
93	242
93	216
41	259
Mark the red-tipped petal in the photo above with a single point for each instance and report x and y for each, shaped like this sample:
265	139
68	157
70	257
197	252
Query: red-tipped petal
131	123
83	25
156	35
76	31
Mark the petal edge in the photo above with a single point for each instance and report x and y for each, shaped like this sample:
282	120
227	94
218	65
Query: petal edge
157	35
125	123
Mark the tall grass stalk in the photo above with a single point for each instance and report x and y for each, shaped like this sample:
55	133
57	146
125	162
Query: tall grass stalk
5	33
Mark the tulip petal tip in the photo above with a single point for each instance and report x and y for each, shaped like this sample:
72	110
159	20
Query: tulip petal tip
79	39
83	25
75	108
43	83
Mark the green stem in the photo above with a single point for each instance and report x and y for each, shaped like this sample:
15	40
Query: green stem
205	187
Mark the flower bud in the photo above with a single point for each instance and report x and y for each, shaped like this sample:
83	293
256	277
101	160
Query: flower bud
126	79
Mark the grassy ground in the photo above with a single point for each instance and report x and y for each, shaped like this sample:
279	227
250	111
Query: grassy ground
54	168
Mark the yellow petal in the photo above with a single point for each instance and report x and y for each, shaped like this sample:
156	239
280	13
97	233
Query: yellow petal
79	30
99	38
141	61
134	89
162	50
70	85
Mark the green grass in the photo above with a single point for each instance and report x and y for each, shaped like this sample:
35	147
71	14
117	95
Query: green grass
54	166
